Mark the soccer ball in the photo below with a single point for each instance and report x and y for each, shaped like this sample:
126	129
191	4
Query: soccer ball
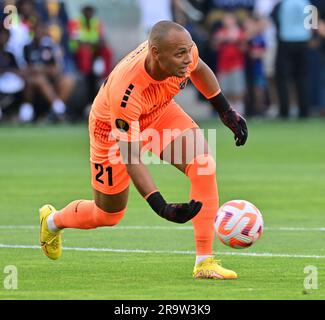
238	224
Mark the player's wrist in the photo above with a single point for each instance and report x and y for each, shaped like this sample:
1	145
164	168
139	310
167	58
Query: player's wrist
156	201
220	103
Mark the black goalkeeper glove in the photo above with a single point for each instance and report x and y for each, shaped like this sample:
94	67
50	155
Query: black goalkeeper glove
230	118
180	212
175	212
236	123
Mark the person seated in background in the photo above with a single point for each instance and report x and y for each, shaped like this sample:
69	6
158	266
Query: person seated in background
45	74
18	23
28	15
92	54
229	41
11	83
53	13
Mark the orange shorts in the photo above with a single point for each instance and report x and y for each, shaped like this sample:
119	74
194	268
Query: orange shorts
108	175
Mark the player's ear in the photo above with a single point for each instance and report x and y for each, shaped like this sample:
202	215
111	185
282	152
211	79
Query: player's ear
154	52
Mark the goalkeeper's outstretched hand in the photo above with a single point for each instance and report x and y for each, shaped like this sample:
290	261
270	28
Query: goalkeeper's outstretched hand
236	123
180	212
175	212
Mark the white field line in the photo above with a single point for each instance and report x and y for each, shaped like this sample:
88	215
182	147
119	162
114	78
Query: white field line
247	254
290	229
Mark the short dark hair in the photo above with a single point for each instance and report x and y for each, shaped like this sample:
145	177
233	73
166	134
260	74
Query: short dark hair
88	8
161	30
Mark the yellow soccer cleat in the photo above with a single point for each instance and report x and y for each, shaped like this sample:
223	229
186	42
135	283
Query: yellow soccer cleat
51	242
211	268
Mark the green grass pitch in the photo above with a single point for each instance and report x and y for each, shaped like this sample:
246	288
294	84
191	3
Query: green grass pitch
281	170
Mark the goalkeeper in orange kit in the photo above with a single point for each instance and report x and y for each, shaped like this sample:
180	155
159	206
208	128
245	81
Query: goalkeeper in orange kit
137	97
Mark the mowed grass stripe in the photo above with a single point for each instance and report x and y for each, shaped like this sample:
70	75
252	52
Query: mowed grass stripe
250	254
289	229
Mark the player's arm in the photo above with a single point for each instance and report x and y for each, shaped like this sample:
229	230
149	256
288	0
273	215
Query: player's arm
206	82
137	170
126	130
140	175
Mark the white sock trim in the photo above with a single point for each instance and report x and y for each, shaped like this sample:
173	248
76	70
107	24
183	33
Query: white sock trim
51	224
199	259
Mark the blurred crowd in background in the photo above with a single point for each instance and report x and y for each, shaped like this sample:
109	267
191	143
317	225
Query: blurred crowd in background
268	55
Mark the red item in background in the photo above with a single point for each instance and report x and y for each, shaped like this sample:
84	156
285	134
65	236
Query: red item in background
230	54
85	58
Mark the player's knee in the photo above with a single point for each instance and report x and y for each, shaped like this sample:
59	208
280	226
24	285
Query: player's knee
107	219
202	166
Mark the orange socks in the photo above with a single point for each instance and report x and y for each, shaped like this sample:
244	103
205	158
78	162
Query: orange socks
202	174
84	214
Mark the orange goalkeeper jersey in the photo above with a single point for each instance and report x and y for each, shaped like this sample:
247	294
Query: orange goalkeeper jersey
131	99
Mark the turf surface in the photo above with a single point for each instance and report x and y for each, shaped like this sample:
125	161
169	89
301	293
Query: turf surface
281	170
